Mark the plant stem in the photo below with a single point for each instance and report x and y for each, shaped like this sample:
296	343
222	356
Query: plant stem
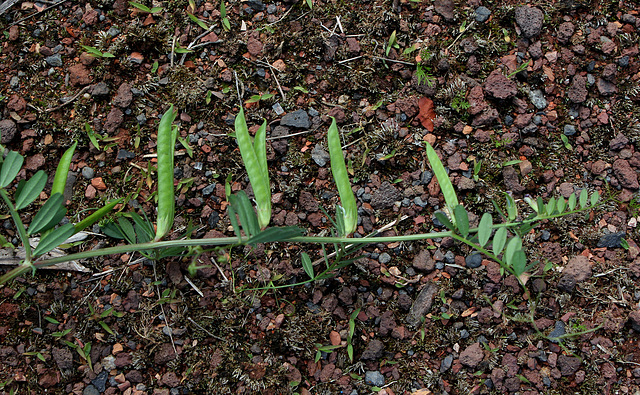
22	231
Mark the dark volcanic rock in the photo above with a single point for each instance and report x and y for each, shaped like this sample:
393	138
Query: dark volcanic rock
511	181
8	130
577	92
529	20
297	119
422	304
444	8
374	350
385	196
499	86
612	240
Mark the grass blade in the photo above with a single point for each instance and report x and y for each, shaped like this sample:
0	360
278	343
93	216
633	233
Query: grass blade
512	209
276	234
49	215
341	177
484	229
54	239
10	168
442	217
31	190
166	194
97	215
248	219
449	193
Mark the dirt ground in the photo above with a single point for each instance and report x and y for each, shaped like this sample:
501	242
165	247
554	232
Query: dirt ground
538	99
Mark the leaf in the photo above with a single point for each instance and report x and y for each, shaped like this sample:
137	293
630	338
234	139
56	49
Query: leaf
484	229
253	99
62	171
462	220
572	201
248	219
54	239
427	113
513	245
512	209
551	206
307	265
541	205
10	168
594	198
561	205
444	219
499	239
31	190
519	263
584	196
49	214
531	203
127	230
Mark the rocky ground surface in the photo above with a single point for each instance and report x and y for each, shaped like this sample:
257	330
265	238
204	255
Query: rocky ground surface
539	100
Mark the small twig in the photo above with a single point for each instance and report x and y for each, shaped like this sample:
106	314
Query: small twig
238	89
460	35
350	59
392	60
164	315
83	90
283	16
609	272
204	330
173	53
32	15
194	286
284	98
220	270
290	135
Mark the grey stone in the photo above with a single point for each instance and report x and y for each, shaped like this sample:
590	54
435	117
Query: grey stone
8	130
537	99
320	155
54	60
209	189
569	130
88	173
100	89
474	260
373	378
482	14
297	119
446	363
557	332
384	258
123	154
90	390
612	240
100	381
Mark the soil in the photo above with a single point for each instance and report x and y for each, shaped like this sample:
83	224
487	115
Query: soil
535	100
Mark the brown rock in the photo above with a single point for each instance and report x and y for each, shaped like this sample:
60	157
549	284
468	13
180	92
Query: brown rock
16	103
124	96
8	130
499	86
254	46
423	261
373	351
79	75
422	304
99	184
114	119
577	92
625	174
34	162
472	355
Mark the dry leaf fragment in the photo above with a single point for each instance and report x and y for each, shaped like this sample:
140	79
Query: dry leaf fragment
427	113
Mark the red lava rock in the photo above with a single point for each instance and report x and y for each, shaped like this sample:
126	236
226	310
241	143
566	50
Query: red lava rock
326	373
387	323
99	184
14	33
34	162
49	378
511	180
124	96
577	92
472	355
606	88
618	143
79	75
444	8
568	365
174	273
466	184
63	358
307	202
123	359
254	46
373	351
477	103
353	45
170	379
164	354
486	118
599	167
114	119
499	86
634	319
625	174
16	103
423	261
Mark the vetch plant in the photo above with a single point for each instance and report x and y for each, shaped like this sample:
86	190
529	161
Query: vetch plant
167	135
347	214
254	157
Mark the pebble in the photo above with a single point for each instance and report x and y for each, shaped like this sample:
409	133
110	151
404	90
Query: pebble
537	99
90	390
569	130
320	155
374	378
557	332
482	14
297	119
54	60
473	261
88	172
612	240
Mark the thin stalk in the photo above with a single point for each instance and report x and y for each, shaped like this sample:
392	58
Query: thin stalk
22	231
